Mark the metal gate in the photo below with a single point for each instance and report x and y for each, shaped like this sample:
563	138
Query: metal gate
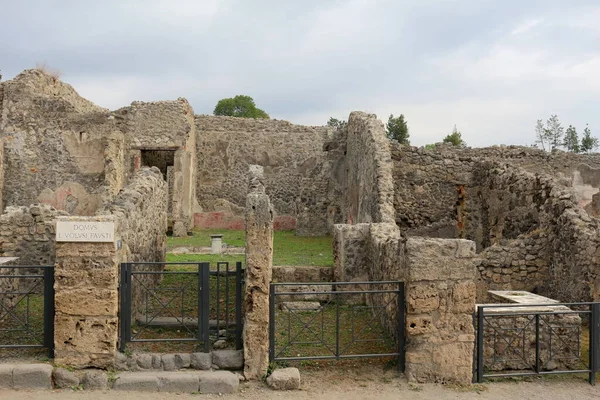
337	320
180	302
537	339
27	307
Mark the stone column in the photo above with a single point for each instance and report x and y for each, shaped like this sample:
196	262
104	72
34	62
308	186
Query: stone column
440	296
259	265
86	300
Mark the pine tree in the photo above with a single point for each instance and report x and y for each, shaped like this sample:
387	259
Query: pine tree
571	141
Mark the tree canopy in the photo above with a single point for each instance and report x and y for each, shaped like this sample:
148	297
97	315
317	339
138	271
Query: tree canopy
455	138
336	123
397	129
239	106
552	135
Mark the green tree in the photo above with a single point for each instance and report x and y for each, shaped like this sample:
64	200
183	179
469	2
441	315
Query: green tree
588	142
455	138
571	141
397	129
336	123
554	132
239	106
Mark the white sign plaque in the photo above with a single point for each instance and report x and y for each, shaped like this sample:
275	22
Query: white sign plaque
85	231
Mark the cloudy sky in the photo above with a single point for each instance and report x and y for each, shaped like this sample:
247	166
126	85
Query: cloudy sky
491	67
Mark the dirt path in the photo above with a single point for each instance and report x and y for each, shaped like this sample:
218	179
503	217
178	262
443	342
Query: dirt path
355	384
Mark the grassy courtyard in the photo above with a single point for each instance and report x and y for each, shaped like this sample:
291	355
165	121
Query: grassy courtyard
288	249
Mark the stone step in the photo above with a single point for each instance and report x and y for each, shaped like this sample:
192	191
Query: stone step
26	376
205	382
173	322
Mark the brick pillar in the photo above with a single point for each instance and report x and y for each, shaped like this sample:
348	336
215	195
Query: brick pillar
259	265
440	296
86	300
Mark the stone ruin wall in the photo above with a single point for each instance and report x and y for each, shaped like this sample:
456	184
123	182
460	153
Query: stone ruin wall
29	233
369	189
54	143
513	213
294	164
141	212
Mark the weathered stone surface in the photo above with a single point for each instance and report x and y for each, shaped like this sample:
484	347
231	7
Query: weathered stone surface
182	360
201	360
64	379
137	382
144	361
301	306
168	362
284	379
228	359
32	376
216	382
6	376
178	382
259	264
94	380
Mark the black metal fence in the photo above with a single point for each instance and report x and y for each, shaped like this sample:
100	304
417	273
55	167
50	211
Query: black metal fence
181	302
336	320
27	307
537	339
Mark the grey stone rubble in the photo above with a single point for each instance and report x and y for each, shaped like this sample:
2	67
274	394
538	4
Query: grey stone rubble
284	379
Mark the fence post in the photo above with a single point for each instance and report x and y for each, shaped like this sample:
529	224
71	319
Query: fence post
126	310
239	283
594	342
272	323
480	323
204	281
49	309
401	328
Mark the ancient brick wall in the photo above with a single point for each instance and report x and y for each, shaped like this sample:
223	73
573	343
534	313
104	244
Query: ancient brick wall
141	210
292	157
29	233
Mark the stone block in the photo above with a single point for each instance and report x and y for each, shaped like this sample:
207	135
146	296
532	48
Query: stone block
431	259
228	359
137	382
144	361
284	379
177	382
32	376
64	379
6	376
89	301
215	382
182	360
201	361
94	380
168	362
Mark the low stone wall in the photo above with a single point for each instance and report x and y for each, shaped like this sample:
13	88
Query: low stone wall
29	233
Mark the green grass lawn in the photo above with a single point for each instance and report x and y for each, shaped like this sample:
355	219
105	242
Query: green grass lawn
288	249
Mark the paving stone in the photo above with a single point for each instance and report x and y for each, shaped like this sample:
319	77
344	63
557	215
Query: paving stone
137	382
284	379
64	379
178	382
95	380
228	359
32	376
201	360
215	382
156	361
6	376
168	362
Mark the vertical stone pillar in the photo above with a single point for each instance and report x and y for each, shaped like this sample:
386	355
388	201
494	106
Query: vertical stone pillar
86	298
440	296
259	265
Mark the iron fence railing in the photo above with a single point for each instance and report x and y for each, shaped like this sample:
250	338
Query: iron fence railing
337	320
537	339
181	302
27	307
